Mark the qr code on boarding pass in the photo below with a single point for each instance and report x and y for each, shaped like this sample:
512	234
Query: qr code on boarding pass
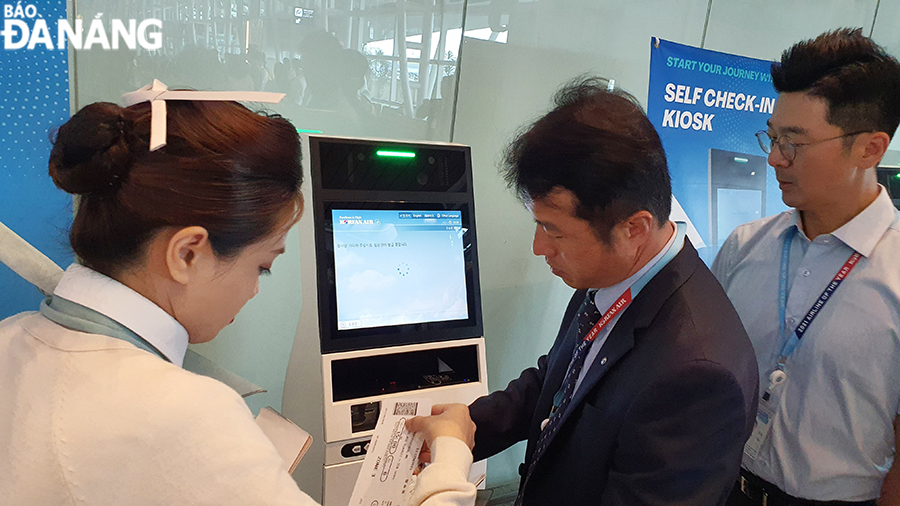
405	408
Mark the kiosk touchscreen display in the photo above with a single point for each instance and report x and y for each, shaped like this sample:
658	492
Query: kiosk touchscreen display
398	267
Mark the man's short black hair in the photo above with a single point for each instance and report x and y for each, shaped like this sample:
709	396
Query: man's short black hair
598	144
858	80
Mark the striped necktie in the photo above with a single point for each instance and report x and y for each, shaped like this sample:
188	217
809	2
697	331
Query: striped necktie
588	316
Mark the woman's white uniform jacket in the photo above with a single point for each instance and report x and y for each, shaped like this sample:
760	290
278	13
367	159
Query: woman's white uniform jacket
91	419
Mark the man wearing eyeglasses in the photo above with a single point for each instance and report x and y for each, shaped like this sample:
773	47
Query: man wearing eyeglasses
818	287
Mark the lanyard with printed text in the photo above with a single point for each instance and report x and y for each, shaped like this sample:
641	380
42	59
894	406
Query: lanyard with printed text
631	292
797	334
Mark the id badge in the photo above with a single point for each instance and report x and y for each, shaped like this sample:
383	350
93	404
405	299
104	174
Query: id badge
768	403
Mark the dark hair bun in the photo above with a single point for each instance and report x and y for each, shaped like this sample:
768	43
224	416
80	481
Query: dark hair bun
91	153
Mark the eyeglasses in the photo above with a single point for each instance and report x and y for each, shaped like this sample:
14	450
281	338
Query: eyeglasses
788	147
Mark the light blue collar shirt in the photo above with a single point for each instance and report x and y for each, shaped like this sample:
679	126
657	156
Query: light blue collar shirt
606	297
832	436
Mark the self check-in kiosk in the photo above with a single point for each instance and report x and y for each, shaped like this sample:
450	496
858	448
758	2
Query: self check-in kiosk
737	192
889	177
396	301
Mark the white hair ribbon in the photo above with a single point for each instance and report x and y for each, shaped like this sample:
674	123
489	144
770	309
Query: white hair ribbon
157	94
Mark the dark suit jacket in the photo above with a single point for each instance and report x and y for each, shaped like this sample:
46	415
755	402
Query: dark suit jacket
662	414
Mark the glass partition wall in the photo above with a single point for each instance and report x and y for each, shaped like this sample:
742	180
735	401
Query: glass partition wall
342	64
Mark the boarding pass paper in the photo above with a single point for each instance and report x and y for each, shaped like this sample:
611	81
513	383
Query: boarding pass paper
386	477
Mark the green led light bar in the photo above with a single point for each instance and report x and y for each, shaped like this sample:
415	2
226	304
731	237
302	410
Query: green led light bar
741	160
302	131
395	154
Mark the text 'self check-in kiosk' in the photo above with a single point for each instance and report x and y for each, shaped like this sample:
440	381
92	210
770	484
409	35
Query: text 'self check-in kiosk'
397	302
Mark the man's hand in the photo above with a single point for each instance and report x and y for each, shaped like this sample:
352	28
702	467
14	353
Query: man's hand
446	420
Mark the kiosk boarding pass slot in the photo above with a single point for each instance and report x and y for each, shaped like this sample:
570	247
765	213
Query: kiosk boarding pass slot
364	416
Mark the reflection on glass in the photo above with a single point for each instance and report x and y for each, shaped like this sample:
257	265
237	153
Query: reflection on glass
341	63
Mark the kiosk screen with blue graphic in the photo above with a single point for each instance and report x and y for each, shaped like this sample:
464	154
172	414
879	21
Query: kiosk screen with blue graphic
398	267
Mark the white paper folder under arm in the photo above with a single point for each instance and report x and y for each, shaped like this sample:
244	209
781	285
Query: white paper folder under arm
26	261
290	440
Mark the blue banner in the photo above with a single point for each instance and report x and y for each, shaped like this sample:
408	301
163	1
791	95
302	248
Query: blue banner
34	98
707	107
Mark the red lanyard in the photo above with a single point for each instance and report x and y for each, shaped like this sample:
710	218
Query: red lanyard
625	299
618	305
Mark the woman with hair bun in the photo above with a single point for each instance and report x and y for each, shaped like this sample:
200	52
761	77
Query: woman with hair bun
95	407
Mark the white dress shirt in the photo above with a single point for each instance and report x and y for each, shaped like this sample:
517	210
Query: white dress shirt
122	304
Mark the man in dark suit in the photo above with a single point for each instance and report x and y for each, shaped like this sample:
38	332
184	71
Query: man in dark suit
650	389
